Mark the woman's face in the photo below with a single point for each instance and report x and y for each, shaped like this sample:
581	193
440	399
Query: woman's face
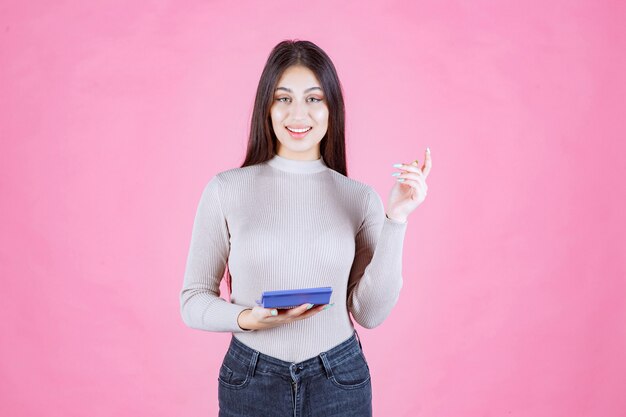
299	103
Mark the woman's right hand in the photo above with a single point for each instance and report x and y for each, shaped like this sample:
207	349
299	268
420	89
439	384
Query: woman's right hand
258	318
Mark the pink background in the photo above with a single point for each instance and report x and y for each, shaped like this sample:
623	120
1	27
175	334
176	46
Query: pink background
114	116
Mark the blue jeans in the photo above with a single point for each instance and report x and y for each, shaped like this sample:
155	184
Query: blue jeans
334	383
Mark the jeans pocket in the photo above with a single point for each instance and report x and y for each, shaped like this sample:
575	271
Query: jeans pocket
234	373
353	372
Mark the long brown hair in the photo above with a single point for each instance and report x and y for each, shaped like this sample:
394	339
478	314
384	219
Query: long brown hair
262	142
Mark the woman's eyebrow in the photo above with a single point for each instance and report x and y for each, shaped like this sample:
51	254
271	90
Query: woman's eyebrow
307	90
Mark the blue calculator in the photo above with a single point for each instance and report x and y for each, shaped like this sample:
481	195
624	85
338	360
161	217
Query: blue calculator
295	298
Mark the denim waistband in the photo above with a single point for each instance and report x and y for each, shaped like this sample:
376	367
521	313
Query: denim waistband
320	364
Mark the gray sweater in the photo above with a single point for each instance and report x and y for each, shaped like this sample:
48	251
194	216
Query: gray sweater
285	224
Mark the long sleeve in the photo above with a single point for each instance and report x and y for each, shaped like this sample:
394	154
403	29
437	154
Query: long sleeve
376	274
201	306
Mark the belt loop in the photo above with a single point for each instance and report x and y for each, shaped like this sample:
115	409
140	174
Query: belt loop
329	371
253	362
359	339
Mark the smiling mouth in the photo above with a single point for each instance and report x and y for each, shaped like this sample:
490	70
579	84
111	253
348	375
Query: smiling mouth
298	133
303	130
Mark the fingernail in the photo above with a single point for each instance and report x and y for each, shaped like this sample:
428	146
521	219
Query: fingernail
400	179
395	174
428	150
397	165
327	306
310	306
274	312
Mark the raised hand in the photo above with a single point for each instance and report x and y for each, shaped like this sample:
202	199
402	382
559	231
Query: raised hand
410	189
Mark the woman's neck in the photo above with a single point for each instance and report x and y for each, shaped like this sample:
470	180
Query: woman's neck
297	165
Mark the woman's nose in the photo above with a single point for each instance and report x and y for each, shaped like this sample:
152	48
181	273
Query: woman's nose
299	109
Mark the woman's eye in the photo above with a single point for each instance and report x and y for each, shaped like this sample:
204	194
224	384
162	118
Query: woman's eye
285	99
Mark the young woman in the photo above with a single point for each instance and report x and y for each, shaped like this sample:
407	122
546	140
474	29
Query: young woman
290	218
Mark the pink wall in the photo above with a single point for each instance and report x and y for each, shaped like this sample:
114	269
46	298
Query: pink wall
113	117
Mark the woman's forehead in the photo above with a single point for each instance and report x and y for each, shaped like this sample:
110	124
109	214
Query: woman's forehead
298	78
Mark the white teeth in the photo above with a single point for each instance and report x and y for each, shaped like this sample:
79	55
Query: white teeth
299	130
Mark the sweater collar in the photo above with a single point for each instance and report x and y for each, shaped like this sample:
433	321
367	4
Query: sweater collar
297	166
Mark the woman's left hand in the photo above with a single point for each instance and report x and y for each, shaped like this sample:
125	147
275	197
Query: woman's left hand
406	195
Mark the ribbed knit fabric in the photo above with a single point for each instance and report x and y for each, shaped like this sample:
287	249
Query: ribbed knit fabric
286	224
